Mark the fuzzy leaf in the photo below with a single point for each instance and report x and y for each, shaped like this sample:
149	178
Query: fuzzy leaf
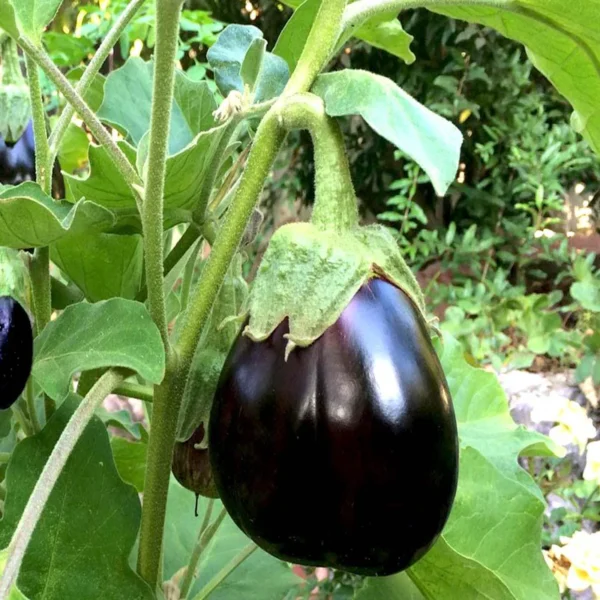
32	16
81	546
430	140
116	332
30	219
562	42
227	56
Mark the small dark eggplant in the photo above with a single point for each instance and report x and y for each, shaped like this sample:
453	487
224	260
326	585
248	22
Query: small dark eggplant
346	454
191	467
16	350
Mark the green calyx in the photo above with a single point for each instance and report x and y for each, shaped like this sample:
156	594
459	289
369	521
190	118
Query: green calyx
309	277
15	104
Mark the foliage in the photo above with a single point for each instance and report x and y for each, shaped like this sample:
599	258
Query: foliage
136	288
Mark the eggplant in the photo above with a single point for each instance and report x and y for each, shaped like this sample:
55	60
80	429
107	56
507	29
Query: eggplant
345	455
16	350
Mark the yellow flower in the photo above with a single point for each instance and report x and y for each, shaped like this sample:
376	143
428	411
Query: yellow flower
592	465
574	425
582	553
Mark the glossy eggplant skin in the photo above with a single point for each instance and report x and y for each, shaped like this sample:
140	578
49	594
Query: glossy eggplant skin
16	350
346	455
17	161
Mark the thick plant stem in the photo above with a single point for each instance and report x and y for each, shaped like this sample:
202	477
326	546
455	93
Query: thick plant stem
335	203
165	412
91	71
50	474
319	45
39	266
167	14
225	572
85	112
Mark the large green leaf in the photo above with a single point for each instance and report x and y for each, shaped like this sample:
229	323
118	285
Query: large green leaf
33	16
260	577
186	174
130	458
563	42
432	141
128	104
29	218
491	546
116	332
102	265
81	545
227	56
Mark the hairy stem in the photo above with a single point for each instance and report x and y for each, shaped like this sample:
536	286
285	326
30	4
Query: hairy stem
225	572
319	46
50	474
39	266
112	37
129	389
335	204
167	35
85	112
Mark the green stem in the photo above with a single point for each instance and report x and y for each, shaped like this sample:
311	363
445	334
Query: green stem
100	55
35	422
163	429
335	203
116	155
321	42
206	535
130	389
167	36
22	419
50	474
39	266
225	572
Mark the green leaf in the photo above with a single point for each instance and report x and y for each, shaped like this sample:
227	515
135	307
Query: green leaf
227	56
185	177
80	547
260	577
73	150
562	42
8	20
114	333
130	458
587	293
33	15
432	141
127	104
397	587
252	64
30	219
102	265
385	32
293	36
